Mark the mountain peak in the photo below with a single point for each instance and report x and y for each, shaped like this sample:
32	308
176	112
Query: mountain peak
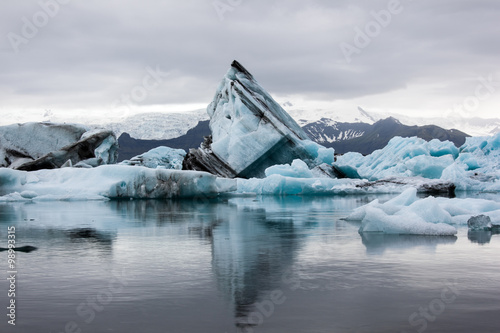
389	120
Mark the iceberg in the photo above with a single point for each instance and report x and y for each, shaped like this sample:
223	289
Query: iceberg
109	182
35	146
298	169
479	222
251	132
477	168
297	179
402	157
473	166
159	157
407	214
280	185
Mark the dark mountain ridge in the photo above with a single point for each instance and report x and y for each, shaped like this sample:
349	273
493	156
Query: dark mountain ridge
377	136
343	137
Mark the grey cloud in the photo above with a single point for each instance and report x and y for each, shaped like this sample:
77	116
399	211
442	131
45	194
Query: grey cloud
92	51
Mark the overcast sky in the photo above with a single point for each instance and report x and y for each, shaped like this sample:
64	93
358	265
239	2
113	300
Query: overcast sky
89	58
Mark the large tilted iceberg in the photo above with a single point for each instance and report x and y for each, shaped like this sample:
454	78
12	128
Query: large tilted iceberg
251	132
407	214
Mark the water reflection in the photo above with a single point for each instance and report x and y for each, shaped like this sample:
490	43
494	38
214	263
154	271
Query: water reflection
481	236
378	243
251	251
185	257
254	241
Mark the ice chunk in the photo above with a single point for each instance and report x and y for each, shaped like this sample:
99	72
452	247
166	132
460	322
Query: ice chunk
108	182
298	169
34	140
408	214
277	184
163	157
107	151
479	222
35	146
478	165
403	157
251	132
474	166
406	198
439	148
376	220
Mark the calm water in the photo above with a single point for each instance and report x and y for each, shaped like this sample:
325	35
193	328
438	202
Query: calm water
241	265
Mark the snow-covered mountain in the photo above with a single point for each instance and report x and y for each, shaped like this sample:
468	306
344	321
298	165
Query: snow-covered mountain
327	130
339	125
304	117
365	138
157	126
471	126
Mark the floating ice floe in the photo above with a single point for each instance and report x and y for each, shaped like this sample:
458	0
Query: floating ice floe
159	157
297	179
402	157
251	132
35	146
407	214
109	182
474	166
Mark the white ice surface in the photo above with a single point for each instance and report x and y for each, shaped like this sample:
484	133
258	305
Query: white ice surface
407	157
108	181
473	166
247	123
297	169
36	139
163	157
407	214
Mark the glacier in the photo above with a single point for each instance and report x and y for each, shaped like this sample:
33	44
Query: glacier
251	132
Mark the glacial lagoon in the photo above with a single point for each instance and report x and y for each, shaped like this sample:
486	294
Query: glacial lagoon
241	264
